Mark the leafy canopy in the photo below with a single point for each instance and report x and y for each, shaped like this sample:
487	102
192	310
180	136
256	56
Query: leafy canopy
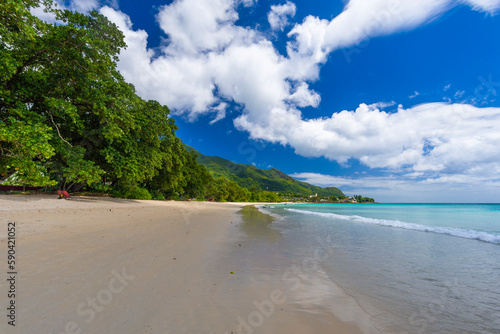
67	116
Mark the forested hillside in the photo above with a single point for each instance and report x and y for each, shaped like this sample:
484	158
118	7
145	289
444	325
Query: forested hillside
251	177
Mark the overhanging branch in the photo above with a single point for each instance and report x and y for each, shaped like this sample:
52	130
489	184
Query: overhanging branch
59	133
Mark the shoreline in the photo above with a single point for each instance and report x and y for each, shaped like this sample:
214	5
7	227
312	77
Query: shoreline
102	265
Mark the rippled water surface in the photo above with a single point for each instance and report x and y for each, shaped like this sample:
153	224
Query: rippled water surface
414	268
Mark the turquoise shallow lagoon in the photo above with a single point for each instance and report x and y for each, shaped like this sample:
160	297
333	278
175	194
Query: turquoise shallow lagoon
414	268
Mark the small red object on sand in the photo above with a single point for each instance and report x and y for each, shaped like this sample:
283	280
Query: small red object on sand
63	194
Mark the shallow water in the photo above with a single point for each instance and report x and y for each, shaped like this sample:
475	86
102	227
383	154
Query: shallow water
313	303
411	268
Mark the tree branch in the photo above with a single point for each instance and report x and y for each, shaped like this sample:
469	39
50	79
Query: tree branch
58	131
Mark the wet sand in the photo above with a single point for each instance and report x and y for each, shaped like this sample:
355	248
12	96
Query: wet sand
100	265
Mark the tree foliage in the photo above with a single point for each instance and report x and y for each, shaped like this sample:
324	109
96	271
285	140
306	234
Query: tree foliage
67	116
361	199
251	177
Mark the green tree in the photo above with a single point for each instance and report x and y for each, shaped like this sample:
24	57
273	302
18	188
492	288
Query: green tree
217	190
237	193
68	116
196	176
54	80
24	139
180	174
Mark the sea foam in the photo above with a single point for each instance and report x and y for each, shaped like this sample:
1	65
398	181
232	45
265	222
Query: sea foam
456	232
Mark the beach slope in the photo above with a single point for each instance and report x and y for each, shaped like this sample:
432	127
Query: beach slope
100	265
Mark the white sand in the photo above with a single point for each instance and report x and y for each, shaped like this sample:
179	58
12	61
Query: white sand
98	265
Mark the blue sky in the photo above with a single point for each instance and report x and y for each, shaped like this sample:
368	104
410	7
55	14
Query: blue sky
392	99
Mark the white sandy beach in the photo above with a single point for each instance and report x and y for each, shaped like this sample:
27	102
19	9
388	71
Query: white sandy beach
100	265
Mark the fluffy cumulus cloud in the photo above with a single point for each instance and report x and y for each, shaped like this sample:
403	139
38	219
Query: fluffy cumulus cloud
280	14
209	62
426	139
194	26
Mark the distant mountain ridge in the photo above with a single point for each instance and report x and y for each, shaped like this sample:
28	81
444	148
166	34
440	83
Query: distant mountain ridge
251	177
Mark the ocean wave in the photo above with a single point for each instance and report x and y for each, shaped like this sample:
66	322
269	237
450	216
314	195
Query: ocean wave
456	232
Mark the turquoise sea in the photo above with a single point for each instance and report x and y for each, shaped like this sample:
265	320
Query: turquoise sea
411	268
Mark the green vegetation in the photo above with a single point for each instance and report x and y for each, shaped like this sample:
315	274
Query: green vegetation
68	120
256	179
361	199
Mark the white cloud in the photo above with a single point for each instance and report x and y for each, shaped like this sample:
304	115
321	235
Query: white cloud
490	6
42	15
414	95
382	105
364	19
307	50
430	138
459	94
304	97
279	15
197	71
208	59
82	6
248	3
221	112
195	26
112	3
405	188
